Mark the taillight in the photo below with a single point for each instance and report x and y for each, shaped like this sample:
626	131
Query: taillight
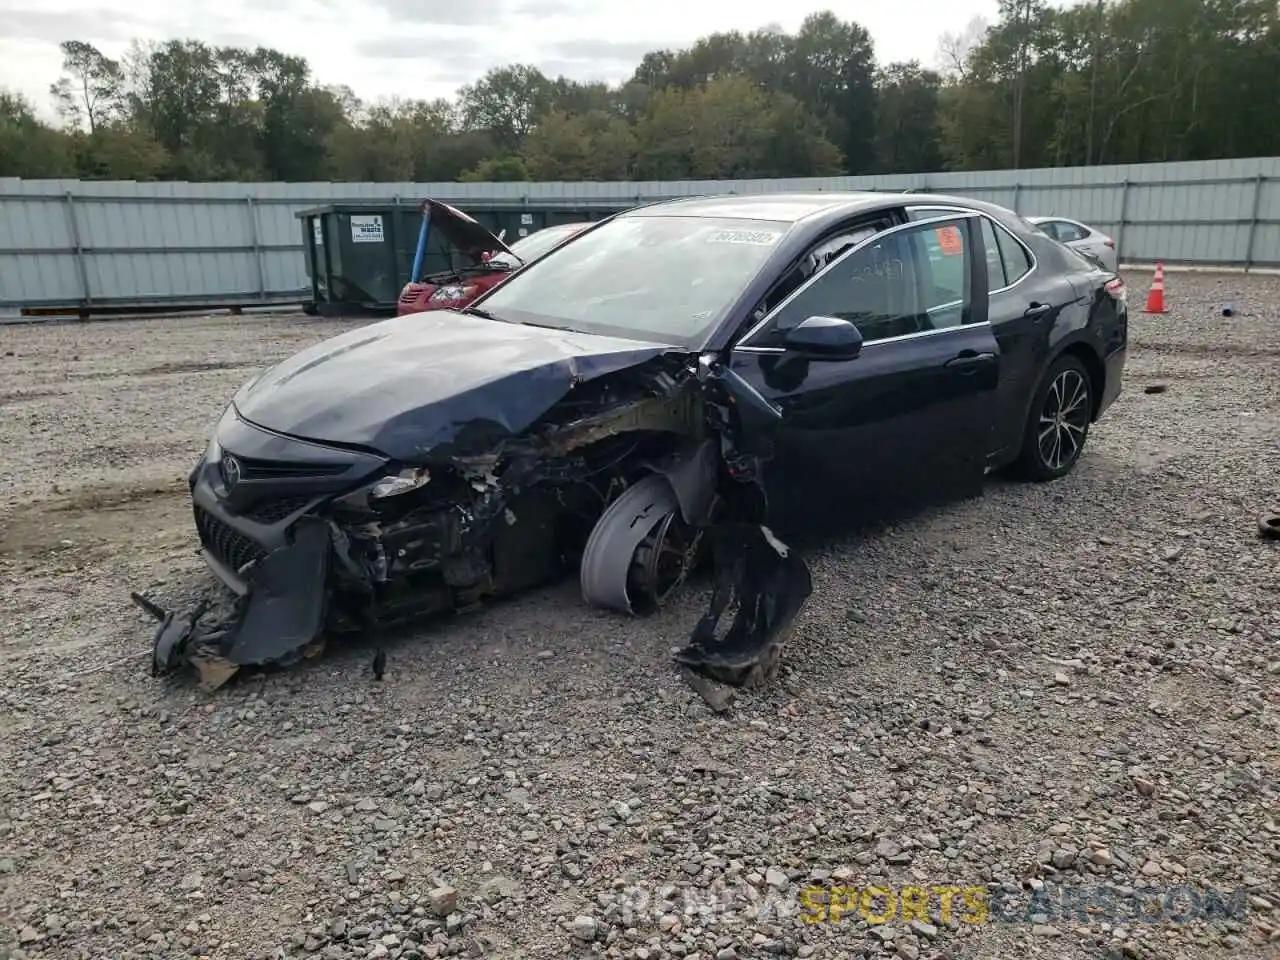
1116	289
1109	243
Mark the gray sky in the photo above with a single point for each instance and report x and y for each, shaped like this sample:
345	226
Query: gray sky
428	48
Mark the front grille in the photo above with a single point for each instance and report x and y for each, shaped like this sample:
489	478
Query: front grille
273	511
251	469
231	547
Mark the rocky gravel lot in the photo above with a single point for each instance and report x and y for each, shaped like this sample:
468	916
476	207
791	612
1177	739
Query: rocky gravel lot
1071	687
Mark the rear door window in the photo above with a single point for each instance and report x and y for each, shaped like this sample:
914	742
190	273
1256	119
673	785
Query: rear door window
942	258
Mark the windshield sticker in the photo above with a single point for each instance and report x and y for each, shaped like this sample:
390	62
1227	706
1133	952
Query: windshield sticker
759	238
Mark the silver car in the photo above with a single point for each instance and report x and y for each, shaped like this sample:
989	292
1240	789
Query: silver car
1080	237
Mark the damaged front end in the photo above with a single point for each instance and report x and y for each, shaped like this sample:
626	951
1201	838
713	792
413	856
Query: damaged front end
620	479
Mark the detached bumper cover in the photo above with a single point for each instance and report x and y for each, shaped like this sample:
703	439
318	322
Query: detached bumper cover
284	609
278	618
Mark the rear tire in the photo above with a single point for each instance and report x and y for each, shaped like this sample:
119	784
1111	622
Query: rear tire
1058	424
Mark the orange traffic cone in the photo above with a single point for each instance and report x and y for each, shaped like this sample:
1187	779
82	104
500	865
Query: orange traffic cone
1155	299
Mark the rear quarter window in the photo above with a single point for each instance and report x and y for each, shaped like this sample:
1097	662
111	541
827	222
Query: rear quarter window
1017	262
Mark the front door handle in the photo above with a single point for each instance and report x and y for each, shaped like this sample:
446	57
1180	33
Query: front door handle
968	361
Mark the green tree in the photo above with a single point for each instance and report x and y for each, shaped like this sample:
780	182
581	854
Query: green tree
175	89
28	148
591	146
1095	81
730	128
118	152
570	96
497	170
297	117
907	119
831	70
507	102
396	140
92	93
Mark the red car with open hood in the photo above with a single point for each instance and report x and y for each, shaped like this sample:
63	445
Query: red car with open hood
489	261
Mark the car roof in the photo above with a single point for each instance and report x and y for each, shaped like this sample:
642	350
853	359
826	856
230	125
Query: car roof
795	208
779	207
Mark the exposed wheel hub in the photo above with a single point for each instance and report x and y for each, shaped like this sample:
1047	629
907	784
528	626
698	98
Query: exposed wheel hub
662	562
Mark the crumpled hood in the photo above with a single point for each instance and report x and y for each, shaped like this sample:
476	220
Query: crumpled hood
407	385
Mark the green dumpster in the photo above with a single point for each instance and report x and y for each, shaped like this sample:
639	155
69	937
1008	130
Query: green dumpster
358	255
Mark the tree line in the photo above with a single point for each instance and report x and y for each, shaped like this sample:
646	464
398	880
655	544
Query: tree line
1104	81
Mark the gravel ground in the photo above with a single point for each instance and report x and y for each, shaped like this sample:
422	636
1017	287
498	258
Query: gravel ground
1062	687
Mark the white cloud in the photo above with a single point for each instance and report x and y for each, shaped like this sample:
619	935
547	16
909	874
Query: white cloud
371	46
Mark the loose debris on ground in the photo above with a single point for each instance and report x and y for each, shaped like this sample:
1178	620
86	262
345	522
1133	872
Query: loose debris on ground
1053	687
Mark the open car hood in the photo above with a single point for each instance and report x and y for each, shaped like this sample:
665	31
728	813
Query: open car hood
463	231
407	386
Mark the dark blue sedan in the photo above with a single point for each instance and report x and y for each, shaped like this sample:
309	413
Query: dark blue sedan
776	363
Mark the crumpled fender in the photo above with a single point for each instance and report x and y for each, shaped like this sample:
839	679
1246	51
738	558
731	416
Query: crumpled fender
768	583
744	413
692	476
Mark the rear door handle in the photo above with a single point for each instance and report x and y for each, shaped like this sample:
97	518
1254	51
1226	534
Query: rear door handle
1037	309
968	361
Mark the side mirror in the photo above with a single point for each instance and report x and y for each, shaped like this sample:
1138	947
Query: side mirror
824	338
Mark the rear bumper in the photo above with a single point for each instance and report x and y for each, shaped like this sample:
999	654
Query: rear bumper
1114	378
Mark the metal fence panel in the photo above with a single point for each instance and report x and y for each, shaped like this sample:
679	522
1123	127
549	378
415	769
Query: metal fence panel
85	243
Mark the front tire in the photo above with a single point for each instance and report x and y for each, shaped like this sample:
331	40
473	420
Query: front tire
1058	424
640	550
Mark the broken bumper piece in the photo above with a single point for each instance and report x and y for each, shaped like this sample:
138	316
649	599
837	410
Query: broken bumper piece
277	620
280	617
767	583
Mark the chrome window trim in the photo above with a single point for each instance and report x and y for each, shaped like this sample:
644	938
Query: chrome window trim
900	228
875	343
995	225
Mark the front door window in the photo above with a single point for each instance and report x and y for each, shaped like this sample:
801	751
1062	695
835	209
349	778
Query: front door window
905	282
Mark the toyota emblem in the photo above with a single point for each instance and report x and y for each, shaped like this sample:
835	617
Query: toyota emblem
230	470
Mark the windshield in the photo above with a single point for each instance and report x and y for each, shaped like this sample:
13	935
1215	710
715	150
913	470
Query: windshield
536	244
659	278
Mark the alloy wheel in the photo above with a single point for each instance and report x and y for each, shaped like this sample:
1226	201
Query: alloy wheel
1064	420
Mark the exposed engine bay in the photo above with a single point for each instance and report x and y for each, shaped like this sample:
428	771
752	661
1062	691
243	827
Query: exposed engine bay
462	274
623	479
